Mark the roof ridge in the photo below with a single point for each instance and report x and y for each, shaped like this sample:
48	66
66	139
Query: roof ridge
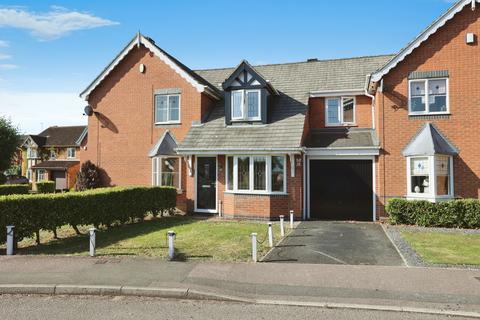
301	62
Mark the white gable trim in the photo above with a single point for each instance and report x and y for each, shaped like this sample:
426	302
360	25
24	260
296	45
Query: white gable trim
422	37
140	39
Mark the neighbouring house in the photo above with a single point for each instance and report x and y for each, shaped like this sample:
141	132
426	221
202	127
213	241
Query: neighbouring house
328	139
54	154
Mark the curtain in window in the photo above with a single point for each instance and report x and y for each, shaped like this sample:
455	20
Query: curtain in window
243	165
442	169
237	97
161	112
259	173
278	167
419	173
252	100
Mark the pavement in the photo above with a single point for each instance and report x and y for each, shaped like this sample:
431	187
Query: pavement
345	243
396	288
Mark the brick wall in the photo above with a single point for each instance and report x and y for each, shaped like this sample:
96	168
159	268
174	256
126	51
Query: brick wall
445	50
363	112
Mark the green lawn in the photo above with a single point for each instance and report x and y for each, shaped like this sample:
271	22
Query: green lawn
445	248
196	239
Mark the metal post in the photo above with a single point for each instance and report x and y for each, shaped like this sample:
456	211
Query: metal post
92	241
171	248
254	247
282	228
270	235
10	240
291	219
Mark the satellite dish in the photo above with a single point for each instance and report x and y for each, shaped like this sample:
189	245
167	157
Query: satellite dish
88	111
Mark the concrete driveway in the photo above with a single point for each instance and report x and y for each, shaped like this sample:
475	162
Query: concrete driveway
347	243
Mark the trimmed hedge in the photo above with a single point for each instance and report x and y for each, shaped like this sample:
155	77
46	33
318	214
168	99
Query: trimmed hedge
448	214
8	189
105	206
45	187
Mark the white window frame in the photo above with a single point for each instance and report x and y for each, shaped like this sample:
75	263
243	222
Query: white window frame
340	112
41	175
244	106
157	175
169	121
432	180
69	155
32	153
427	104
53	154
268	175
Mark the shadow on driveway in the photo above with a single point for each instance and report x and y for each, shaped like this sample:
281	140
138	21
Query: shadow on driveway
326	242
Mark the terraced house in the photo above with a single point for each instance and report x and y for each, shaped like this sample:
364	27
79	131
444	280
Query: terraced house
329	139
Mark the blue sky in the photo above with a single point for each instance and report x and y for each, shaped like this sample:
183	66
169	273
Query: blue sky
51	50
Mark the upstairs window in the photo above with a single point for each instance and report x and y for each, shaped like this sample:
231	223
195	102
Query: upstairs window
167	108
53	154
340	111
71	153
31	153
246	105
429	96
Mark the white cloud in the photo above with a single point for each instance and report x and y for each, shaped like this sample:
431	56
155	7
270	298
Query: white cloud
32	110
8	66
3	44
50	25
4	56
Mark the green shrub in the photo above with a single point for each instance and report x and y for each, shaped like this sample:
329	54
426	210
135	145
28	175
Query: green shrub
104	206
8	189
448	214
3	178
46	187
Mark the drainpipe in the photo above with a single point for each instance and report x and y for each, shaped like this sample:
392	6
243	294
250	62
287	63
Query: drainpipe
367	83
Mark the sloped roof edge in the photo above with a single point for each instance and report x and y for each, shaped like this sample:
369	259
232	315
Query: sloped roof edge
422	37
139	39
429	141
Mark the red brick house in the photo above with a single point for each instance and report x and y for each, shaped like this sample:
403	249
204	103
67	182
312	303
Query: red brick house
329	139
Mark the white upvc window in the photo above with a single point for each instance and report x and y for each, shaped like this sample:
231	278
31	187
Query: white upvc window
340	111
41	175
256	174
167	108
246	105
71	153
53	154
32	153
430	177
428	96
166	172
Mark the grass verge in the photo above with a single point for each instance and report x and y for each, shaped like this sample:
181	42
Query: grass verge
445	248
196	239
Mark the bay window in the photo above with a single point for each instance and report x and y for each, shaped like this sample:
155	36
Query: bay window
246	105
428	96
340	111
430	177
256	174
166	172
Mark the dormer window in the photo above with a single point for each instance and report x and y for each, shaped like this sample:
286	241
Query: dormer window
246	105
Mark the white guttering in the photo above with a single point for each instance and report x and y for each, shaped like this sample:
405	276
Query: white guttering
351	151
336	93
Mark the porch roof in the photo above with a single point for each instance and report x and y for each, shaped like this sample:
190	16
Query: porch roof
428	142
55	164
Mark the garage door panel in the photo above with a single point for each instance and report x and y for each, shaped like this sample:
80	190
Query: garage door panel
341	189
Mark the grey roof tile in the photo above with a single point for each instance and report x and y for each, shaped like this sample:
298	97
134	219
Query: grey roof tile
342	138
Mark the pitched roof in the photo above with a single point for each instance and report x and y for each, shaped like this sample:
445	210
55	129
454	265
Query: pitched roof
294	82
429	141
422	37
194	79
59	136
342	138
165	146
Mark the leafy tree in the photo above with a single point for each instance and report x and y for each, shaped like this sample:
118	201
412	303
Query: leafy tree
9	138
88	177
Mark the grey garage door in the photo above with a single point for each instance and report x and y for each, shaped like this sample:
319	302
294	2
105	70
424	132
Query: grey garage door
341	190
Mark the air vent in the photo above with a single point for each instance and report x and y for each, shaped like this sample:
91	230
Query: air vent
312	60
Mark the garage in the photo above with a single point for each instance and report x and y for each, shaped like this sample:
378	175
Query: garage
341	189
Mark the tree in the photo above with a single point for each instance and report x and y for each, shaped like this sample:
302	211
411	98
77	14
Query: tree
88	177
9	138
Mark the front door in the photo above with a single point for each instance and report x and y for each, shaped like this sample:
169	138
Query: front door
206	200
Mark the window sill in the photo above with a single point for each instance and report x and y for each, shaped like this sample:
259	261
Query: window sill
167	123
247	120
429	197
341	125
410	114
257	193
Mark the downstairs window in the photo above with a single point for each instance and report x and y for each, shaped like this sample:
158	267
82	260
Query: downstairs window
166	172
